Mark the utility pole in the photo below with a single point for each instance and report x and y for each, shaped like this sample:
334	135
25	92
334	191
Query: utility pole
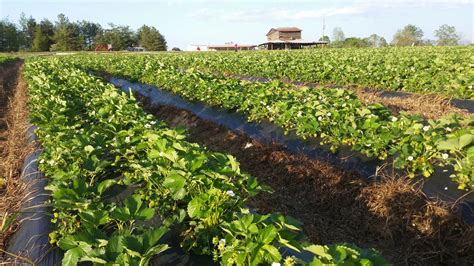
324	26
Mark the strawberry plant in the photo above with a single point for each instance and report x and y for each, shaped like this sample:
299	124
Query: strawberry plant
120	180
333	116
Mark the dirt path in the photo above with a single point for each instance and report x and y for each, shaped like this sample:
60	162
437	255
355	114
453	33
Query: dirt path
338	206
13	144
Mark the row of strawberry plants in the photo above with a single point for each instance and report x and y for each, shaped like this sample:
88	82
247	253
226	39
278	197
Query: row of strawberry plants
444	70
120	181
6	59
336	116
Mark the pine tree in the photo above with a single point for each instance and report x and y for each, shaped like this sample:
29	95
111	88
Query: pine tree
151	39
9	37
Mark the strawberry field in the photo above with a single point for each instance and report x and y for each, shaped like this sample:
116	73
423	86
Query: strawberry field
131	182
443	70
334	116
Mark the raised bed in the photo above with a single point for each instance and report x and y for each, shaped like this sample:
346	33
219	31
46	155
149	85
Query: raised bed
437	186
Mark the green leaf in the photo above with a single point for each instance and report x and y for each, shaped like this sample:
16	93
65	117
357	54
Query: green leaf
152	236
234	164
94	218
7	221
93	259
339	254
273	252
152	252
450	144
154	154
133	203
465	140
114	247
88	149
72	256
319	250
104	185
267	235
194	207
133	245
67	242
174	181
470	153
145	214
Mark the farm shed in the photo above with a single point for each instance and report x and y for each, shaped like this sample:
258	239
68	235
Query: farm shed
197	47
287	38
231	46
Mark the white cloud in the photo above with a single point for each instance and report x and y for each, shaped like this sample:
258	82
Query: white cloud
310	14
274	14
343	7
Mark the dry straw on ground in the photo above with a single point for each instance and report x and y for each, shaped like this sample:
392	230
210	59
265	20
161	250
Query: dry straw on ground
13	146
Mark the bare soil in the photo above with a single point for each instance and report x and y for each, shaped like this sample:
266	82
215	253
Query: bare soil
336	206
13	145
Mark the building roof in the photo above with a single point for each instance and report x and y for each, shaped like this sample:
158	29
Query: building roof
297	41
229	45
284	29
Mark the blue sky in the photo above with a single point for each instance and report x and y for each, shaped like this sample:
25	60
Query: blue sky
185	22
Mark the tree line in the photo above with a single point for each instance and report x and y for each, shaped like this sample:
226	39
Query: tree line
64	35
410	35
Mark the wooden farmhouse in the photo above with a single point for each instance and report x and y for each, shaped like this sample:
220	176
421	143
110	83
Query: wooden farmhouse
287	38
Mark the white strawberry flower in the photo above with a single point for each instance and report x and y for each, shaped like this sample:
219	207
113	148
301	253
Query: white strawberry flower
445	156
127	139
319	118
329	114
248	145
426	128
394	119
147	126
410	158
230	193
276	264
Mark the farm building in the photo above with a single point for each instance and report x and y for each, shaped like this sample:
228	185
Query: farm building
231	46
221	47
197	47
287	38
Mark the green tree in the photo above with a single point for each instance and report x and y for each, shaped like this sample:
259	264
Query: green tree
410	35
89	31
9	36
375	40
66	35
40	41
355	42
447	35
338	35
325	38
120	37
27	30
43	36
151	39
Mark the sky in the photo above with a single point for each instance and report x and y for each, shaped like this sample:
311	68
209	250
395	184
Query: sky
185	22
